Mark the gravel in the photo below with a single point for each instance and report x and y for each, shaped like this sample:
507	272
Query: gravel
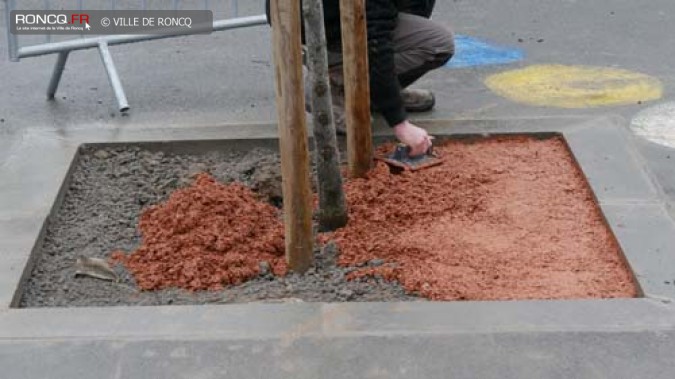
99	214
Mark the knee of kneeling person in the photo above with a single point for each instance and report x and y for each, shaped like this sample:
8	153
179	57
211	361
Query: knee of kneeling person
444	47
440	45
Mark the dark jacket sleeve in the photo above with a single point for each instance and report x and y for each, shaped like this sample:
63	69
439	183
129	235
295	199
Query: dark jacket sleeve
421	8
385	90
382	18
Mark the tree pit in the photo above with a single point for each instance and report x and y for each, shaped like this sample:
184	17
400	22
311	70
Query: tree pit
504	218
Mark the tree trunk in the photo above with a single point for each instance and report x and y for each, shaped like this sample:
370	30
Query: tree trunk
332	205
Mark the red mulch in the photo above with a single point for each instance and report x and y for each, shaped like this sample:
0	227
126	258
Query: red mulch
502	218
206	236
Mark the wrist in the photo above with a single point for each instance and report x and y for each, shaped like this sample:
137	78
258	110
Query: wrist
401	125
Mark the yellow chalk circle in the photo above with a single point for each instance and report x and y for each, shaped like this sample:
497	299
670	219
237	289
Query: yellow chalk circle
575	86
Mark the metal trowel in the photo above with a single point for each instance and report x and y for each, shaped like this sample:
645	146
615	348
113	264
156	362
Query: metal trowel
400	159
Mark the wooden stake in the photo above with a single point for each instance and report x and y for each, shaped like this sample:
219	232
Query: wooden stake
332	205
357	89
290	102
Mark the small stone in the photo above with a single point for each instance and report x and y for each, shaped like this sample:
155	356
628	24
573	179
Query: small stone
540	40
264	267
330	252
346	294
196	169
376	262
266	181
2	120
102	154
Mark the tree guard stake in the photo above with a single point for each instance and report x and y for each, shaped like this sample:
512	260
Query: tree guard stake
290	103
357	90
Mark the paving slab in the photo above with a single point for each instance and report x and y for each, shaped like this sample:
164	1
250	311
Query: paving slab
646	234
18	235
235	321
12	269
18	200
559	339
292	321
610	162
661	161
493	355
499	316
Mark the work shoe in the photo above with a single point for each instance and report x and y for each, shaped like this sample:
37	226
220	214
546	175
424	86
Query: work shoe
418	100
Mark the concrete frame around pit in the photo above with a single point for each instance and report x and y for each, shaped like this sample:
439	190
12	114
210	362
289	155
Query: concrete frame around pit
623	338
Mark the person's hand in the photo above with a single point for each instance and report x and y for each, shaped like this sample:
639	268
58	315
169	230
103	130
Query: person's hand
415	137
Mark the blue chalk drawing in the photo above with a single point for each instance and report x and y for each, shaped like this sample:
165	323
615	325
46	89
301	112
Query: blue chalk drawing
472	52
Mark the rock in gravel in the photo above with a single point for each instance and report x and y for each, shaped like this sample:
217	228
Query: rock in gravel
376	262
102	154
346	294
267	182
329	254
264	267
196	169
